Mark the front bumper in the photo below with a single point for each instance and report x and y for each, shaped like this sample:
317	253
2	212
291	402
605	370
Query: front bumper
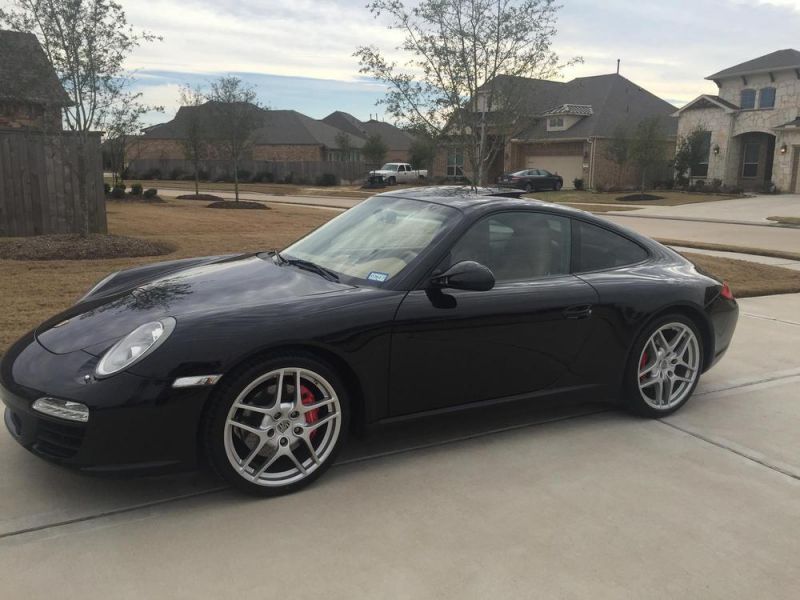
134	423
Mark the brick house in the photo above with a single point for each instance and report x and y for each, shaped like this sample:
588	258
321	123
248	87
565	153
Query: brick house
31	96
280	136
752	125
567	128
397	140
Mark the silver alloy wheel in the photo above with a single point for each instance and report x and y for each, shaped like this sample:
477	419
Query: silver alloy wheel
282	427
669	365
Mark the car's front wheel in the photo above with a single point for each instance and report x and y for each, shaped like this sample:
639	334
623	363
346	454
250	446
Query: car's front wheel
277	425
664	367
557	185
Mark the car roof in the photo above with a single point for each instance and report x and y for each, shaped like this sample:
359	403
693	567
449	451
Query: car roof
471	200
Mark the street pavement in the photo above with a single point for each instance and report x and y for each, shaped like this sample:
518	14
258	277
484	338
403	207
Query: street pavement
581	501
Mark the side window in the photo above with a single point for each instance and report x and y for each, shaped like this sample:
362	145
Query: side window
597	248
517	246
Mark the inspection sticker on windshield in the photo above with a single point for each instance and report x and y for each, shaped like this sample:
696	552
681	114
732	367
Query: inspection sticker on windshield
377	276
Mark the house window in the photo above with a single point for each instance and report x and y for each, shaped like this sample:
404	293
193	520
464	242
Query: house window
748	99
556	122
700	169
766	97
750	162
455	162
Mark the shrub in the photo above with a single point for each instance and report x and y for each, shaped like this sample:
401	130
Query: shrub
263	177
152	174
202	174
187	177
118	191
578	183
176	174
150	193
327	179
107	188
768	187
136	189
244	174
669	184
716	185
699	185
288	178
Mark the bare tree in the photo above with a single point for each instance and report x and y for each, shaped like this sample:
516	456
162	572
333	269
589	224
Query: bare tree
122	122
237	114
195	140
618	150
648	147
87	42
374	150
345	145
465	74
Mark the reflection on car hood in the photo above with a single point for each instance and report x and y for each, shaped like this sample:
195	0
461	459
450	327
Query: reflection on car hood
245	281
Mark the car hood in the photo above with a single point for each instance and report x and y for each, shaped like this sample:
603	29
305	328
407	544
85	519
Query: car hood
242	281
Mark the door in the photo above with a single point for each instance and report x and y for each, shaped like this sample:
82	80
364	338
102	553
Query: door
454	347
568	167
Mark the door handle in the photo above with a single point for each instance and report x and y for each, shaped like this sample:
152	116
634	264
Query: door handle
578	312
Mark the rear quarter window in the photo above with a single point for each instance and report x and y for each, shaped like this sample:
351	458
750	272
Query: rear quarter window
596	249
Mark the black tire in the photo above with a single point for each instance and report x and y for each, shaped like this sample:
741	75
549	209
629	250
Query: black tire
392	181
632	395
214	426
529	187
557	186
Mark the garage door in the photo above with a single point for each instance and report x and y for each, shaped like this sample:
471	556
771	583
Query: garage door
569	167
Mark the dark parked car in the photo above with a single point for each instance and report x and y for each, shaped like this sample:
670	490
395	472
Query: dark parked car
532	180
412	303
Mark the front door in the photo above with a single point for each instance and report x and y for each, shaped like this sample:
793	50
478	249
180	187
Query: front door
454	347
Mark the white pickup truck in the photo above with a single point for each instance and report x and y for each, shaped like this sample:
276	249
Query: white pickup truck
393	173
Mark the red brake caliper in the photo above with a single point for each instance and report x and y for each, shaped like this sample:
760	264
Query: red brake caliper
307	398
643	361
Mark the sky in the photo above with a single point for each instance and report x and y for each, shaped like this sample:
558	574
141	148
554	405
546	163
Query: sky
299	53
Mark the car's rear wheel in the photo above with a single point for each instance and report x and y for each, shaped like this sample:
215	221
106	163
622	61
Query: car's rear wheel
278	425
528	187
664	367
557	185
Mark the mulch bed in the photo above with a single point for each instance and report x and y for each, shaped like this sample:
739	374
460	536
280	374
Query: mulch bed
241	204
138	198
206	197
75	247
639	198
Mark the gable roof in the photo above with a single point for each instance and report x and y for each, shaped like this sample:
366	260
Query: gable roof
707	101
289	127
615	102
394	137
774	61
25	72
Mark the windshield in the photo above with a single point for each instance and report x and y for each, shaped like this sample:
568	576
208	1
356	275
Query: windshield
389	167
377	239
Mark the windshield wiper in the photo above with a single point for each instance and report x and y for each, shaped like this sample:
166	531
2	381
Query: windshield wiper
308	266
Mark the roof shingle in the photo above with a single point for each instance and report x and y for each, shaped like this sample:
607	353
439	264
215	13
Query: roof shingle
774	61
26	74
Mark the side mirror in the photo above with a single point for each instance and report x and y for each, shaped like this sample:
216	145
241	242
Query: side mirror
465	275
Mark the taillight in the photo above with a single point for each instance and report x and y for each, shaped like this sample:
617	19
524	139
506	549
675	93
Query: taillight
726	292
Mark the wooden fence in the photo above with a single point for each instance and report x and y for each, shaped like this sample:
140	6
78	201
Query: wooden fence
302	172
39	184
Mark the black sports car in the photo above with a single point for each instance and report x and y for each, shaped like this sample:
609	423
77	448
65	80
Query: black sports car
412	303
532	180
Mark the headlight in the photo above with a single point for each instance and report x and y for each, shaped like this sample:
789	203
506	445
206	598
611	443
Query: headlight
134	347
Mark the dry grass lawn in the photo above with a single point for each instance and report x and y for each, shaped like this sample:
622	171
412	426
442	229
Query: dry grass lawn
35	290
669	198
274	189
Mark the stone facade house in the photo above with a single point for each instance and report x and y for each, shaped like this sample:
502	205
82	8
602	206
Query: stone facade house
567	128
31	96
752	124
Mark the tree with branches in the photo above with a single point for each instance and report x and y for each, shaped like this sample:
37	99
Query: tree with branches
375	149
237	113
344	144
618	150
647	149
693	149
195	140
87	42
468	65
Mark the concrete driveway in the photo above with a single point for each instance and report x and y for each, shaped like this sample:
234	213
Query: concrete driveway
568	502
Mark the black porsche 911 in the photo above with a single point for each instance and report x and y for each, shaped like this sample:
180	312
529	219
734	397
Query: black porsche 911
414	302
532	180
